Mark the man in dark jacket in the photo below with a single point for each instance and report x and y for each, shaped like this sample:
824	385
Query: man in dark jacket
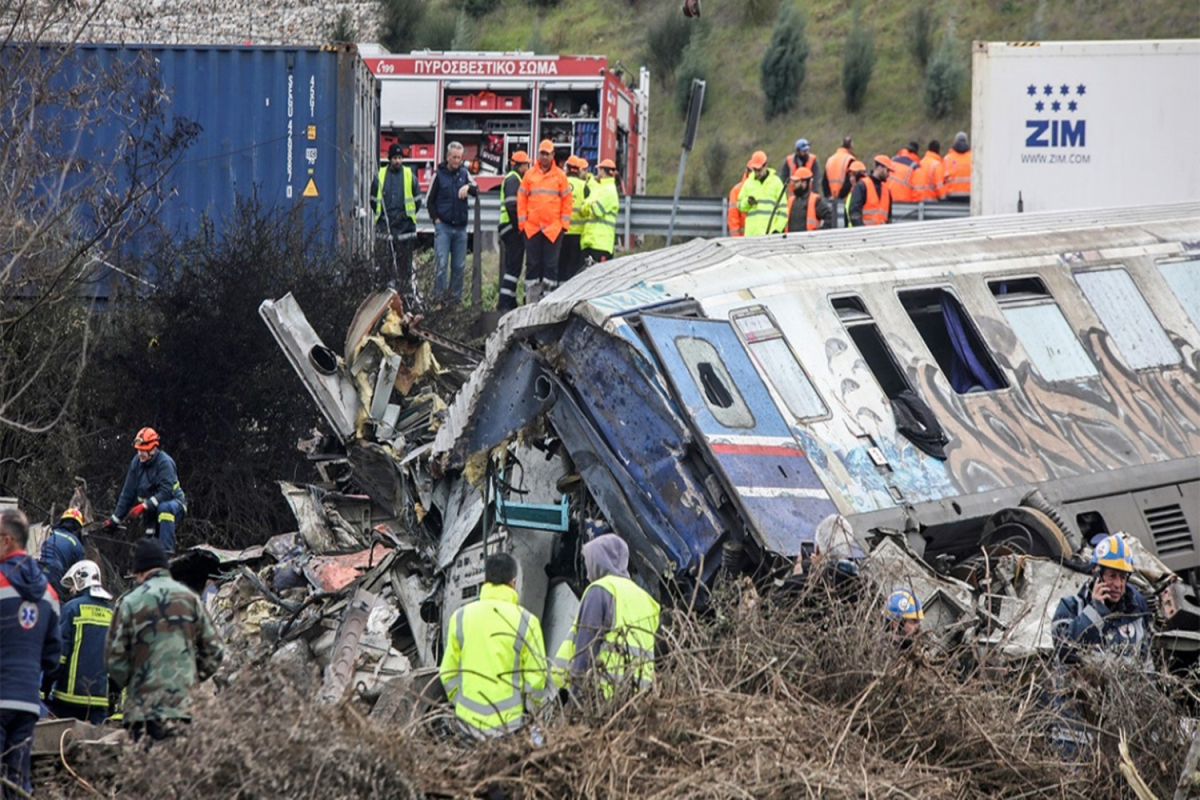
447	204
511	234
871	199
395	201
79	686
151	487
1107	613
63	548
29	646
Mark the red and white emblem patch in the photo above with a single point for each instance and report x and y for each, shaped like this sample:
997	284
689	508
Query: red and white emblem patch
28	615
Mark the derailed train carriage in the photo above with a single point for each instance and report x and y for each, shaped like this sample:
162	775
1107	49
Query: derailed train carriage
1025	381
963	392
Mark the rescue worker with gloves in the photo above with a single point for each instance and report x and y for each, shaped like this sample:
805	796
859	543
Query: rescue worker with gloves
79	687
614	631
152	488
494	666
63	548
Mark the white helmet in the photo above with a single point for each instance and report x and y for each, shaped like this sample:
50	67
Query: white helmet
84	575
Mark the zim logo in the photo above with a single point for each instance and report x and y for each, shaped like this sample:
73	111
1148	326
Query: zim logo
1062	126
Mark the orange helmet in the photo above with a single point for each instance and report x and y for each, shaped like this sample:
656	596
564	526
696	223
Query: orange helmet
758	160
607	164
73	513
573	161
801	174
520	157
545	146
146	439
882	160
857	166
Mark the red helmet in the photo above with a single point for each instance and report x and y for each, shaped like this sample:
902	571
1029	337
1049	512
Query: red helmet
146	439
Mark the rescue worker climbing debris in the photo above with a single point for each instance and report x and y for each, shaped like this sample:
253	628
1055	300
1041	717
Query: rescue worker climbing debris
494	667
151	487
614	631
63	548
79	687
161	644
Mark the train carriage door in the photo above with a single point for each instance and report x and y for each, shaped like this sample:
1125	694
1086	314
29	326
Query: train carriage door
746	438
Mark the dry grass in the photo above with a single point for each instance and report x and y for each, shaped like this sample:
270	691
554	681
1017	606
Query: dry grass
755	700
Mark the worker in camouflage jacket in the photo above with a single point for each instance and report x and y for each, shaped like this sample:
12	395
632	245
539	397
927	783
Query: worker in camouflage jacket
160	645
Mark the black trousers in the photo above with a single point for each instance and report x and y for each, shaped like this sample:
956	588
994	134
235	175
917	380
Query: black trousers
597	256
393	262
570	260
541	259
513	254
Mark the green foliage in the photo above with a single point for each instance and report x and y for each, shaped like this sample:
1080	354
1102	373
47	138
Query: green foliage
478	8
344	29
782	71
666	39
716	166
858	63
758	12
543	3
920	34
399	24
437	29
945	78
1037	27
465	37
693	65
537	43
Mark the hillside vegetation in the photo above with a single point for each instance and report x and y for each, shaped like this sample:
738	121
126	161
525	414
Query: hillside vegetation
736	32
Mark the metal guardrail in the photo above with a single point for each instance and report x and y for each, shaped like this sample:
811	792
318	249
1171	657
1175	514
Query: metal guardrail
649	215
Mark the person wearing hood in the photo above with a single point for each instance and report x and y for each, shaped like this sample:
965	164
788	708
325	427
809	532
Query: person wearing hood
30	644
63	548
833	562
79	687
617	621
957	164
151	487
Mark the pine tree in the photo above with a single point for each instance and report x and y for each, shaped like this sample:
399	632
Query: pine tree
782	72
858	64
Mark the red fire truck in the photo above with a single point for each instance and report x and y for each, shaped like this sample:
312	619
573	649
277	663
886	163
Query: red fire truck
498	103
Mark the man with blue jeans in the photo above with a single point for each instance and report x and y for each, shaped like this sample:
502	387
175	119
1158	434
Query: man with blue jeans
447	204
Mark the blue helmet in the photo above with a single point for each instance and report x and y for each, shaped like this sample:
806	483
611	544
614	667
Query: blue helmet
1112	552
801	144
903	604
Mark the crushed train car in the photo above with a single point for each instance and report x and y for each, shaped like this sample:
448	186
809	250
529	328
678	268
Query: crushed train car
977	397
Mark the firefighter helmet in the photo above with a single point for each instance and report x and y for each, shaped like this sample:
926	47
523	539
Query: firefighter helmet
903	604
1112	552
146	439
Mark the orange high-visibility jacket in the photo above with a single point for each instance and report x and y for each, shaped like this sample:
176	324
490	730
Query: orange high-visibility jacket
935	177
544	202
789	166
877	204
735	218
958	173
900	180
812	221
835	170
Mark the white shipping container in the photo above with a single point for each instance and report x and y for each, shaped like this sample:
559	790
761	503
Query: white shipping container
1069	125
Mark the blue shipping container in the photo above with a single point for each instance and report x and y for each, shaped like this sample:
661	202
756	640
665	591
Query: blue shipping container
295	128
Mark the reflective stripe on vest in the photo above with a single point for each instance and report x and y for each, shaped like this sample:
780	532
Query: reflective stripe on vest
849	224
627	652
835	171
876	204
95	616
503	208
958	173
577	201
734	218
812	221
410	202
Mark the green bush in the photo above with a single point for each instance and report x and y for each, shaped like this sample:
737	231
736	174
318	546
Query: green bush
478	8
543	3
666	39
758	12
343	28
537	43
437	30
920	34
399	24
716	166
944	79
465	37
693	65
782	72
858	63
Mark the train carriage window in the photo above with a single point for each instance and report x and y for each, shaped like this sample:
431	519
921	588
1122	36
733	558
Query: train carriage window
720	394
1135	331
1042	329
869	341
1183	275
953	340
779	364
